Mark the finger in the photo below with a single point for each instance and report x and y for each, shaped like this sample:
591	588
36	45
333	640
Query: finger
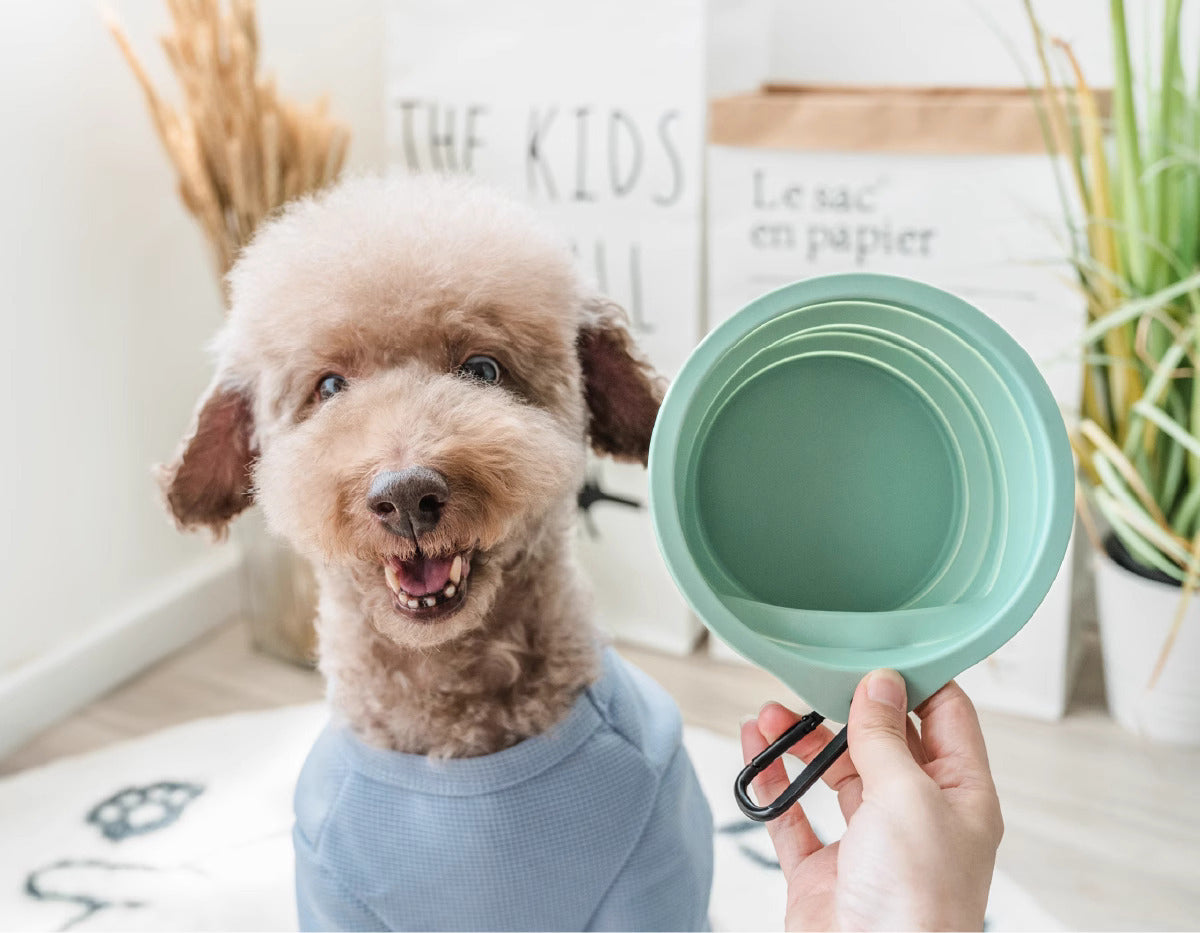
841	776
950	730
914	743
772	780
791	834
774	720
877	728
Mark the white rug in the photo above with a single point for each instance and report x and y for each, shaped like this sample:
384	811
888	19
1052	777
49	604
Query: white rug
190	829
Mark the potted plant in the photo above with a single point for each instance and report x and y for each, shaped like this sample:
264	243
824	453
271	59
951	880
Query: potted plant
240	151
1135	247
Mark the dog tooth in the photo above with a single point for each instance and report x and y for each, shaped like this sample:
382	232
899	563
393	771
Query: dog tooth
430	602
393	581
414	604
456	569
450	589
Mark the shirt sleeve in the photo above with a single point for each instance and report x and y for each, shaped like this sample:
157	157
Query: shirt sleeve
665	883
323	902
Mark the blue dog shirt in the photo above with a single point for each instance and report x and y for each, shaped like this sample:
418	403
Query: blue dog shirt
597	824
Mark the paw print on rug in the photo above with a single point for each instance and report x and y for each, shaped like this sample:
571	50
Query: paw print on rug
137	810
84	888
754	843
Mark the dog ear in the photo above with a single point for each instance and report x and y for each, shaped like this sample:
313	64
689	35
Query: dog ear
621	388
209	481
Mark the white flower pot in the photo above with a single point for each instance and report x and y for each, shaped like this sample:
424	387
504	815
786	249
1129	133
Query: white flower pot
1135	615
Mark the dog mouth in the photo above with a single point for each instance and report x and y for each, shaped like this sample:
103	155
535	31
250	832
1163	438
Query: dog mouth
425	587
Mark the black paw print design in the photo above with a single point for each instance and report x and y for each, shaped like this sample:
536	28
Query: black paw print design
137	810
85	878
741	828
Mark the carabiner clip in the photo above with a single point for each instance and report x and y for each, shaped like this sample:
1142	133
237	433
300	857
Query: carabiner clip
773	752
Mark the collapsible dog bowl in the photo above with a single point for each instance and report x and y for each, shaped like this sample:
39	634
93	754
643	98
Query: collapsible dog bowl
860	471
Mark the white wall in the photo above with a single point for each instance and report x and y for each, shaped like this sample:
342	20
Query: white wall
108	299
958	43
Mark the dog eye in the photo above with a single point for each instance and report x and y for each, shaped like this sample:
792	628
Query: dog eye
483	368
329	386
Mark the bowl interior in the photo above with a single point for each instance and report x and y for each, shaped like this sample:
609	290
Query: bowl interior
848	487
829	482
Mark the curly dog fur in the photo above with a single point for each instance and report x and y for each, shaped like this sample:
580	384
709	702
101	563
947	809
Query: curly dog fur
392	285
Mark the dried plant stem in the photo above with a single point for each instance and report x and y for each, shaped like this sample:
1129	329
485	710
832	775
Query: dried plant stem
240	150
1189	590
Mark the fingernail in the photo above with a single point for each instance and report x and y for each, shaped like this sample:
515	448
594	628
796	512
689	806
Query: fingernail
749	717
887	687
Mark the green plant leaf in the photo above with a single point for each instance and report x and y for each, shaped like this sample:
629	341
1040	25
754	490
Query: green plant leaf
1161	420
1138	546
1138	307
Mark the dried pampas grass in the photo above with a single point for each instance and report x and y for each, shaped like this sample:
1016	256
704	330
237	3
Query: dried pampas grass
239	149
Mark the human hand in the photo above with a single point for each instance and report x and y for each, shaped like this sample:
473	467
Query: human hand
922	817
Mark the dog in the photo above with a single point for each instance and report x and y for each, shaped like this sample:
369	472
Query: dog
407	383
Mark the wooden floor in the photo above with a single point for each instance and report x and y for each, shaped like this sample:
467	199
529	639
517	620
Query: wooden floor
1102	828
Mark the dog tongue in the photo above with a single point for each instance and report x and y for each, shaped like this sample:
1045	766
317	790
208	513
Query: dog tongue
424	575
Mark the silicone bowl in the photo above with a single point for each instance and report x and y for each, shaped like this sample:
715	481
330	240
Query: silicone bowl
861	471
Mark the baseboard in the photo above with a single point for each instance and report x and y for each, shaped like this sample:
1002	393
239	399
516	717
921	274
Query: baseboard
163	619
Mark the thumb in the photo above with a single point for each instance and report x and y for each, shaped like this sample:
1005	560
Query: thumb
877	727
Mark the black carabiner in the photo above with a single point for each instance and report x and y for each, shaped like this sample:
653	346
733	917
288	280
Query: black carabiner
773	752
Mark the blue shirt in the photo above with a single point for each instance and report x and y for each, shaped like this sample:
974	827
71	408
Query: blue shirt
597	824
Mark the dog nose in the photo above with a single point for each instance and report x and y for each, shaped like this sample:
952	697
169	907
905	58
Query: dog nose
409	501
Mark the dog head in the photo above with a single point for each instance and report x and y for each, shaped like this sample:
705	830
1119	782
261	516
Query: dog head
407	383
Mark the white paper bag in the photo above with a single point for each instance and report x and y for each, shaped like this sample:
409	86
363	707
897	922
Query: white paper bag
947	188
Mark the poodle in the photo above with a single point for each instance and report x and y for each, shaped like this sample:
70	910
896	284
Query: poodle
407	384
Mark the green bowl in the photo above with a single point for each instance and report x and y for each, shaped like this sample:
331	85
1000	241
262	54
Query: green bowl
861	471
